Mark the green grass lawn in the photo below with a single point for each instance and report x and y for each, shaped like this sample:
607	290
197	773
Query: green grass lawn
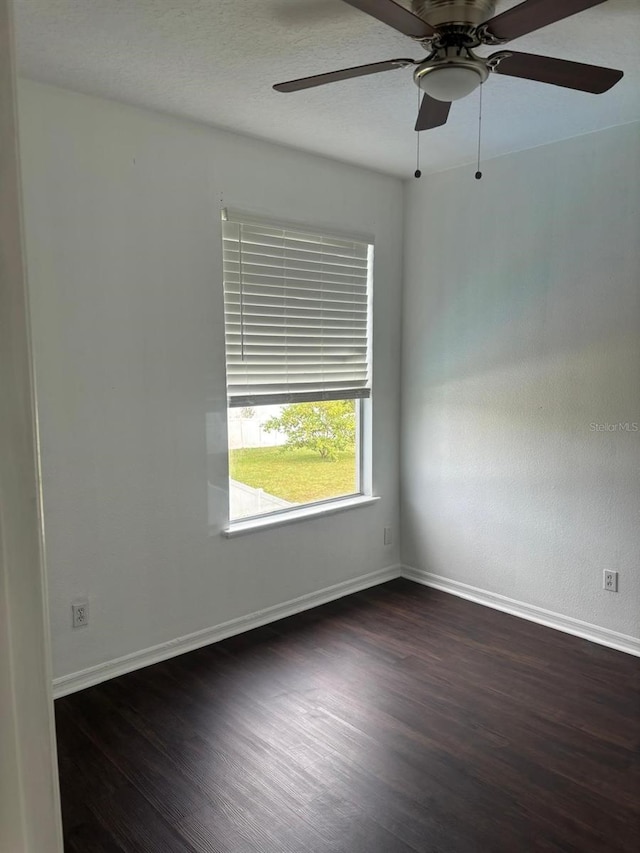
300	476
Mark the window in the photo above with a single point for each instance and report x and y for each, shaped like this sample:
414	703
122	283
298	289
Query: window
297	334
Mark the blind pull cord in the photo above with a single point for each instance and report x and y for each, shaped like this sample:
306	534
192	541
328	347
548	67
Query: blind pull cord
241	293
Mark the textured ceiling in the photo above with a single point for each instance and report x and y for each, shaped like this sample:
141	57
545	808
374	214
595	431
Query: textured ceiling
215	61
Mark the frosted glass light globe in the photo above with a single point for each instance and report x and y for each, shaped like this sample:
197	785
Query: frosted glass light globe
450	83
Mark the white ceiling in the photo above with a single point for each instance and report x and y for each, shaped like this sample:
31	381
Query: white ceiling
215	61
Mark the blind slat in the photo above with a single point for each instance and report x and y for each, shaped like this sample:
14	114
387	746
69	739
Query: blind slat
294	255
255	295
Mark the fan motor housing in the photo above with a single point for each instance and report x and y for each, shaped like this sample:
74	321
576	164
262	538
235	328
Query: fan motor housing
467	12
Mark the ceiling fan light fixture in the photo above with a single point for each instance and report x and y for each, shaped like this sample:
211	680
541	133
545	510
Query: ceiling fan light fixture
450	82
452	30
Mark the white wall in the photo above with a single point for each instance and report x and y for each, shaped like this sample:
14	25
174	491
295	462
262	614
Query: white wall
29	798
521	329
123	245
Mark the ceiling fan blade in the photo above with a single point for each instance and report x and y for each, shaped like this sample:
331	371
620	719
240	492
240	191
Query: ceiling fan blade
558	72
344	74
395	16
432	113
532	15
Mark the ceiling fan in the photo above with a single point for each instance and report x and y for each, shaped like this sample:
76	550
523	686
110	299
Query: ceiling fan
450	31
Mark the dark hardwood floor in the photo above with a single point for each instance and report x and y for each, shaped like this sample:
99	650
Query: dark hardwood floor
399	719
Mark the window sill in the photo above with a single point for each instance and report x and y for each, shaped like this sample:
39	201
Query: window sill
239	528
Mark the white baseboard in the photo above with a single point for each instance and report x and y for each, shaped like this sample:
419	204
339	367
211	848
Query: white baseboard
102	672
603	636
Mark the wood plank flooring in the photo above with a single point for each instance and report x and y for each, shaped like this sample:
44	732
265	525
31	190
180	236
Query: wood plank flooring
397	720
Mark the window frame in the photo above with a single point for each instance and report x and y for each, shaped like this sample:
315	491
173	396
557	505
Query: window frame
363	451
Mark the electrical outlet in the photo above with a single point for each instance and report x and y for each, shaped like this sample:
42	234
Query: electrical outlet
388	536
80	612
610	581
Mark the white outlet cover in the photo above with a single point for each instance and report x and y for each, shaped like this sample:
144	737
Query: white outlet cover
80	612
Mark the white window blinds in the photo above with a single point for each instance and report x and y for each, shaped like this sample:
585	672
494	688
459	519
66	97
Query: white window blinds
296	314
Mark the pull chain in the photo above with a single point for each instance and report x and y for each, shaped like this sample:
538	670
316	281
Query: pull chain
418	173
479	173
